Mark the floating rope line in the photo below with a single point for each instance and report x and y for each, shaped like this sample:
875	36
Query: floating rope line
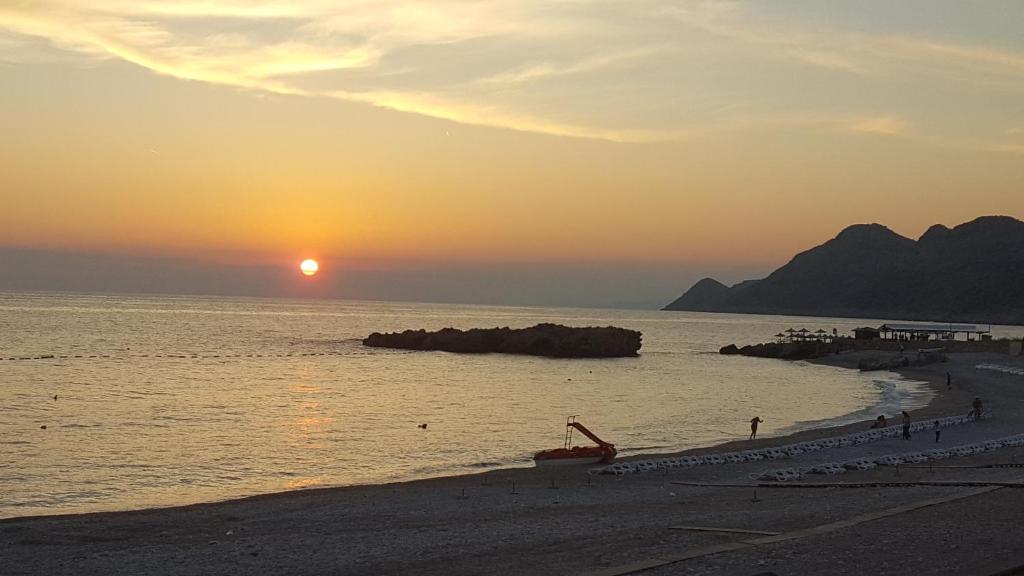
191	356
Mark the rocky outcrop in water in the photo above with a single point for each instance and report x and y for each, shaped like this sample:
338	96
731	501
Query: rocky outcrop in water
551	340
883	361
783	351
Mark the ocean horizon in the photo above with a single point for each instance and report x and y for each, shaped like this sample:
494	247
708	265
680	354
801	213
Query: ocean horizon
162	400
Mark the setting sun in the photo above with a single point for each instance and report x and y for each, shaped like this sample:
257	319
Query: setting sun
309	267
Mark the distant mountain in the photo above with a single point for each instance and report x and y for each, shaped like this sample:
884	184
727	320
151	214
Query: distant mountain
971	273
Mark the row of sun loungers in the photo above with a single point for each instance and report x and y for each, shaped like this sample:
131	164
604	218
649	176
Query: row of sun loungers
776	452
1001	368
831	468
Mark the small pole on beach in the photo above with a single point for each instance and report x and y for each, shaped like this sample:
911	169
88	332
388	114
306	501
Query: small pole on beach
514	487
755	498
463	495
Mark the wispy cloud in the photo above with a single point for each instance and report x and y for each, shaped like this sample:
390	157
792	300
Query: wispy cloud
635	72
885	125
1008	148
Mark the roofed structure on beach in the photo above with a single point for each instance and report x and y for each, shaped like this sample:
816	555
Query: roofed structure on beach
923	331
804	335
867	333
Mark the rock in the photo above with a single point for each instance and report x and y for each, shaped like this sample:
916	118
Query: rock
893	362
551	340
785	351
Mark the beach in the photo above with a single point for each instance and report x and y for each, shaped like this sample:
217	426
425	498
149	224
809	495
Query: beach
566	521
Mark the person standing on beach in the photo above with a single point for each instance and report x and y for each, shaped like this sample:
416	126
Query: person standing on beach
938	432
753	426
976	413
906	425
949	381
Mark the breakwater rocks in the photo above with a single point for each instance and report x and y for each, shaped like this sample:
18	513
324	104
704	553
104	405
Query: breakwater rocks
920	358
551	340
884	360
784	350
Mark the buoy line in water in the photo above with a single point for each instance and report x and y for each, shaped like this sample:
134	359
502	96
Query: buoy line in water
172	356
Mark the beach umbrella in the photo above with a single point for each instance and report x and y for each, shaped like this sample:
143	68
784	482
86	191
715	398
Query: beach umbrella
790	330
820	331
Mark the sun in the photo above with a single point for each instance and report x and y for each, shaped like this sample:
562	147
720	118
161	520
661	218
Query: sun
309	267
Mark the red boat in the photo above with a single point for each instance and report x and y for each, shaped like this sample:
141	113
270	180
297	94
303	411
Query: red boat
569	454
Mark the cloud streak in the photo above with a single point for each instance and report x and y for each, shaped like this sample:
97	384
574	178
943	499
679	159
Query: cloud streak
885	125
648	71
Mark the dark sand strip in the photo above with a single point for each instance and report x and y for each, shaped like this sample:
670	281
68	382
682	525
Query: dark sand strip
641	566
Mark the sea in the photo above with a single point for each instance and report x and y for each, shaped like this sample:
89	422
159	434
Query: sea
112	402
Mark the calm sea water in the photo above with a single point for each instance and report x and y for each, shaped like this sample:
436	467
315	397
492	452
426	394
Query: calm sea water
172	400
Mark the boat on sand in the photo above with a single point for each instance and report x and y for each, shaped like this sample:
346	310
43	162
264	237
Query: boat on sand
603	453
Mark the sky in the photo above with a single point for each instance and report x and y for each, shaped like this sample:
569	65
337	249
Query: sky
494	151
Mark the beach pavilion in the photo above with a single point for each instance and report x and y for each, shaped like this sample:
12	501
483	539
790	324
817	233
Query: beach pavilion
916	331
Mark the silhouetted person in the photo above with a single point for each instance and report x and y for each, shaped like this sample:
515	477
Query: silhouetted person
976	413
949	381
880	422
753	426
938	431
906	425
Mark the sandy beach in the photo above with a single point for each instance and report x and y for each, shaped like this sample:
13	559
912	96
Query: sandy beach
566	521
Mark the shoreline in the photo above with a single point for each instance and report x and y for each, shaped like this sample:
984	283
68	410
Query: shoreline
937	406
508	522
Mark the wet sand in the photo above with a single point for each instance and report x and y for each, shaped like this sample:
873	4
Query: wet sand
565	521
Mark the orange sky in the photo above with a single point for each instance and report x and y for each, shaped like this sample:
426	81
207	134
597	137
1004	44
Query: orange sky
722	134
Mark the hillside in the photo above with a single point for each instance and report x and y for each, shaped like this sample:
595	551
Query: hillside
971	273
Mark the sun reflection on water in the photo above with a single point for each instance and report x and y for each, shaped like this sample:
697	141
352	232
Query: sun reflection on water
148	428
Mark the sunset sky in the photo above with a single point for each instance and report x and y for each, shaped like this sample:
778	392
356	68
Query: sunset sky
478	148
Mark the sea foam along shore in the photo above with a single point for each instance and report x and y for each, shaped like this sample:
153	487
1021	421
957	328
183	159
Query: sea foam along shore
531	520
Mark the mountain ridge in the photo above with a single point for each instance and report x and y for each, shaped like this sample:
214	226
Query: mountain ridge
973	272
